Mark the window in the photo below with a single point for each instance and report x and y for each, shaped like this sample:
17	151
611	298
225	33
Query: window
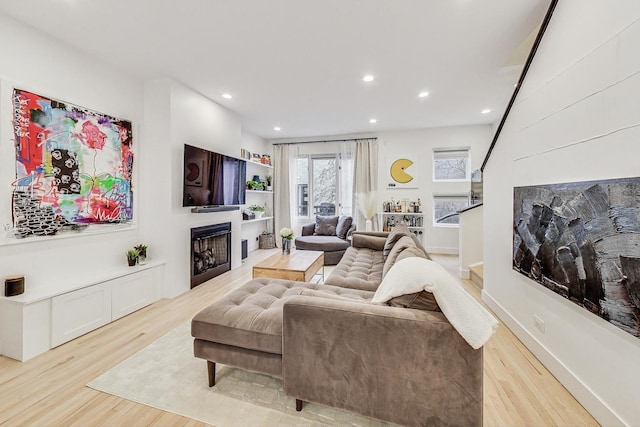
324	189
451	164
445	208
319	185
302	185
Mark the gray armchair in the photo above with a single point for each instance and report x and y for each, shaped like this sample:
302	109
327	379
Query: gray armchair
329	234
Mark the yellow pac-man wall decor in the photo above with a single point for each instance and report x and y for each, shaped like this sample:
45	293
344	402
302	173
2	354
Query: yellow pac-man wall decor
398	171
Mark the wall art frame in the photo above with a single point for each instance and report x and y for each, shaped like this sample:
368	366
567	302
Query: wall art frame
581	240
73	169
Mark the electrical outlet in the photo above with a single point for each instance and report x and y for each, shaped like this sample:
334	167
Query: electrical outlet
257	238
539	323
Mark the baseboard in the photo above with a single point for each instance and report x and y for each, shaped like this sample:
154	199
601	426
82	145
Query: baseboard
464	273
583	394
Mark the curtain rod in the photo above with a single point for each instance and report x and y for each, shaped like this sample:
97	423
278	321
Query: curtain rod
325	140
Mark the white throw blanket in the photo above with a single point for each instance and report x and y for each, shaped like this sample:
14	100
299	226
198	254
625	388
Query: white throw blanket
466	315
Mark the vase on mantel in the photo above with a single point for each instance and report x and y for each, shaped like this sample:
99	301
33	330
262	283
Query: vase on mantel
286	246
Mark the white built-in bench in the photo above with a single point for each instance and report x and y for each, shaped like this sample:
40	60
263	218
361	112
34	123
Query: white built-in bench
44	318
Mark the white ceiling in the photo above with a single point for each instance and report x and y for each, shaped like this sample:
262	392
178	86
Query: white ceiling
298	64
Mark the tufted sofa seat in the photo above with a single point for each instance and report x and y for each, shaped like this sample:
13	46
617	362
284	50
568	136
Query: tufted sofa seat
246	324
359	268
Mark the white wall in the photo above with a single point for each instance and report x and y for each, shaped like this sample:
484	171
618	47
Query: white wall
37	63
576	120
175	115
418	145
471	240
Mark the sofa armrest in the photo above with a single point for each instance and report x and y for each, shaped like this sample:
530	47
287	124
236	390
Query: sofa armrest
351	230
309	229
369	239
405	366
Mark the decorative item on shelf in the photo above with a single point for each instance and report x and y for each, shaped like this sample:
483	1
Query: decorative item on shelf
257	210
266	240
287	235
132	257
142	253
13	285
269	178
255	185
248	214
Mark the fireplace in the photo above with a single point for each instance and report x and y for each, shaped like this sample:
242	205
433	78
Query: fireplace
210	252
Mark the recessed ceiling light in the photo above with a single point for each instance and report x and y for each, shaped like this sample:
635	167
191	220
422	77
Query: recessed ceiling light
226	96
486	111
368	78
423	94
373	121
277	128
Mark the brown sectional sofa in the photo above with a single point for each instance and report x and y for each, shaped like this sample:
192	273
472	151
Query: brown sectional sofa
332	346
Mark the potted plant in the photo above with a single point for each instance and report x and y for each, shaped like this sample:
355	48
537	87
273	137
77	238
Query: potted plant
142	253
269	178
255	185
257	210
286	234
132	257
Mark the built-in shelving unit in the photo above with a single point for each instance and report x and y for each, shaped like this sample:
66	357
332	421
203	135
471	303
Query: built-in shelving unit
260	191
47	316
413	220
264	218
252	229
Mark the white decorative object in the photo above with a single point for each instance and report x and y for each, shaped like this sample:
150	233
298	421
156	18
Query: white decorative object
367	207
410	275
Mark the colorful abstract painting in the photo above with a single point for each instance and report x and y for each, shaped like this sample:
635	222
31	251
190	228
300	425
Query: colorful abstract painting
73	167
582	241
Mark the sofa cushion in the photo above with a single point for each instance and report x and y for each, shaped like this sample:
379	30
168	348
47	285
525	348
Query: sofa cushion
411	252
251	316
422	300
403	243
418	243
334	296
394	235
364	240
321	243
344	223
403	286
326	225
360	268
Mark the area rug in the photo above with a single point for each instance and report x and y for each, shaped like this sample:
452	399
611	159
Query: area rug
166	375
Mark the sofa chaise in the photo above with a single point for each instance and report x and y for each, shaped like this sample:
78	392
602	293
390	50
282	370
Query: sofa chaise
331	345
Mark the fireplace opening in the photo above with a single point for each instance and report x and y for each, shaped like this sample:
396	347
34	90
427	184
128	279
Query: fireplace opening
210	252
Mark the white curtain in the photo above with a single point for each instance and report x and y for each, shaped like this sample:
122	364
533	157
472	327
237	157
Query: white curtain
365	181
284	172
346	194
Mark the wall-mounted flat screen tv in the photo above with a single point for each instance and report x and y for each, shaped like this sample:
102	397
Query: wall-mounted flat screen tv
212	179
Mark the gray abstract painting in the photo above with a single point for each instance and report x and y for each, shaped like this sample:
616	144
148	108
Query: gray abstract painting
582	241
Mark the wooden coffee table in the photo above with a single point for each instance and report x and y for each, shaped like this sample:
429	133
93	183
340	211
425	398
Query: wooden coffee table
298	265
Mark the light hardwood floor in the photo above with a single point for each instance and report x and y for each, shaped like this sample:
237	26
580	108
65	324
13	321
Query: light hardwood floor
50	390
